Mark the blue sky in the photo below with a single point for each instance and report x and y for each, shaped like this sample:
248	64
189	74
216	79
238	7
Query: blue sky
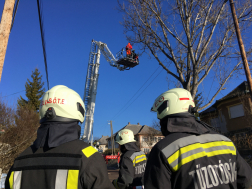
69	27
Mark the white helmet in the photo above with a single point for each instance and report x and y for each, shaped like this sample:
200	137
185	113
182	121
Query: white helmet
61	104
125	136
173	101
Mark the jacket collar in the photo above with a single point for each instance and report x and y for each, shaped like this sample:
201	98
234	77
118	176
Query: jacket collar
53	134
131	146
183	123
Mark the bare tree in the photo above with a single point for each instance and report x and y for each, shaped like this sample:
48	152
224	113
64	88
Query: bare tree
20	128
151	136
156	125
188	38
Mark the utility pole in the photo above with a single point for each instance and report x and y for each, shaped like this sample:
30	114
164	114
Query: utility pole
5	28
242	49
112	138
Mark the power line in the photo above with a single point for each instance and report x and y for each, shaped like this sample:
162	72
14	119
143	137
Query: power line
43	41
13	93
14	13
120	112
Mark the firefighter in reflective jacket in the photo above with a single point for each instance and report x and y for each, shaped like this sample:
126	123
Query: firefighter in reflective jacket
132	163
57	158
192	154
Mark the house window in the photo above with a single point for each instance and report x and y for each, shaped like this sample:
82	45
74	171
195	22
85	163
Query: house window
236	111
145	139
160	138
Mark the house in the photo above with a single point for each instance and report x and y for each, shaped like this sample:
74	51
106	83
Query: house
145	136
103	143
231	114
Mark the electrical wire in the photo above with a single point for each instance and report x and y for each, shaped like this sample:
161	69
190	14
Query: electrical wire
13	93
137	91
14	13
120	112
43	41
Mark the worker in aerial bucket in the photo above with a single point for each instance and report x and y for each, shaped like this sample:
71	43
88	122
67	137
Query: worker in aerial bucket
192	154
132	162
128	50
57	158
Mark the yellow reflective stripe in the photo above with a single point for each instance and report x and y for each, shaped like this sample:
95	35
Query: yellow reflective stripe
142	159
11	179
138	159
89	151
72	179
204	152
188	159
199	155
195	146
115	184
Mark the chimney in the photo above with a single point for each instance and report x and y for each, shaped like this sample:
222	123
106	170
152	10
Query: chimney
128	123
137	123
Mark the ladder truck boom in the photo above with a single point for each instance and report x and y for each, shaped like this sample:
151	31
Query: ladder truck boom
90	90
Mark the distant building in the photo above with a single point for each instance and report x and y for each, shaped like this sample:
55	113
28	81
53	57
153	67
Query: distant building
145	136
232	113
103	143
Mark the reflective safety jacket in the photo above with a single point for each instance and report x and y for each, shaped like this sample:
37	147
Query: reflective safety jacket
132	166
195	160
71	165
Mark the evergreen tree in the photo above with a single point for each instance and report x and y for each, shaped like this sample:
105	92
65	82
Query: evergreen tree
34	91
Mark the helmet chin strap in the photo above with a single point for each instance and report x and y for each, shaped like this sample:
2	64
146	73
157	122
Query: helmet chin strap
192	109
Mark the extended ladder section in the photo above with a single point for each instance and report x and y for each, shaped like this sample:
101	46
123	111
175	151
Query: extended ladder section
91	89
109	56
92	80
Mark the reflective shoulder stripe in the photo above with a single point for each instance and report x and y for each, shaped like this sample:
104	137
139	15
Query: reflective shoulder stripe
190	148
174	146
137	157
67	179
89	151
11	179
15	179
60	176
72	179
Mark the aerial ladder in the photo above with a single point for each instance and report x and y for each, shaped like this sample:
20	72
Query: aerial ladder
121	62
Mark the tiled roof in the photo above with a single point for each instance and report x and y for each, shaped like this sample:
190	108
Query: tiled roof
146	130
103	140
137	129
208	110
239	90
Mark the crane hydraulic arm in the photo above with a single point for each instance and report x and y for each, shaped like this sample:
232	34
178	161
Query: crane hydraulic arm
92	80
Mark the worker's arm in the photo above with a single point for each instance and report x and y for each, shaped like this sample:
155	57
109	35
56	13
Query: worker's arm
244	173
95	175
126	173
157	173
